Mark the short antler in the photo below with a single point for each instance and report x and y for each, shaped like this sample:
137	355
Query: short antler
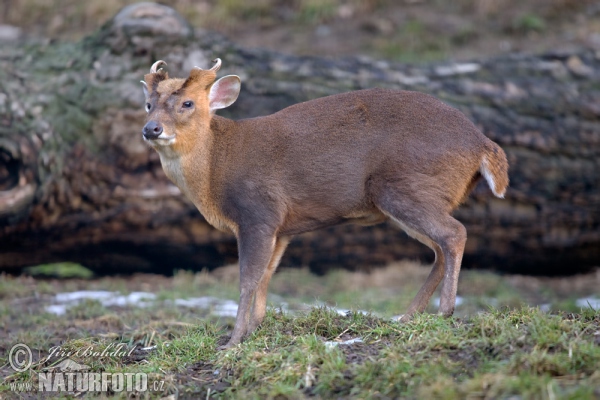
156	75
154	68
215	67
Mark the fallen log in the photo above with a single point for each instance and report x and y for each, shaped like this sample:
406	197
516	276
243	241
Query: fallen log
77	182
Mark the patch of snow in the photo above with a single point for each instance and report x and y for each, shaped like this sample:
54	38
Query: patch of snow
64	301
198	302
83	295
459	301
139	299
57	309
220	307
105	298
587	302
226	309
332	344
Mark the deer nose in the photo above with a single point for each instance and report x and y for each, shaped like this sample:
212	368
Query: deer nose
152	130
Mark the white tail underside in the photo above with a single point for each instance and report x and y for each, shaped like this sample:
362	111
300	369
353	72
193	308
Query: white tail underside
484	169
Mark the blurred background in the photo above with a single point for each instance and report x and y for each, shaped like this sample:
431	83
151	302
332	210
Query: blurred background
400	30
403	31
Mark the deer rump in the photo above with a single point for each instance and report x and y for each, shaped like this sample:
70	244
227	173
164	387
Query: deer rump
327	161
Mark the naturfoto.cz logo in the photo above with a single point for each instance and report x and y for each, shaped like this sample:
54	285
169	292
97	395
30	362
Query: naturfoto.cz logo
71	376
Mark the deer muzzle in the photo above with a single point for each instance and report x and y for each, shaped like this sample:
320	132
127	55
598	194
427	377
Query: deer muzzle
152	130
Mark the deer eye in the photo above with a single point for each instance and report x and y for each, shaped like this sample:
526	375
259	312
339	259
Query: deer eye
187	104
148	107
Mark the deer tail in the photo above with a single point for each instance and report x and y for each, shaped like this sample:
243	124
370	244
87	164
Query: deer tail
494	168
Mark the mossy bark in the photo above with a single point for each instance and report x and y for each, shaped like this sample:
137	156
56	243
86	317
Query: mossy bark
77	183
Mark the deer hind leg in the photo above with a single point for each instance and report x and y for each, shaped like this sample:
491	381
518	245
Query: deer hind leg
260	299
444	235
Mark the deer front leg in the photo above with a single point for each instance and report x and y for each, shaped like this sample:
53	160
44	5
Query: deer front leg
260	300
255	251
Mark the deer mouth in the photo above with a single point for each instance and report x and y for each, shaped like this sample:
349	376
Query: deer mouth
161	140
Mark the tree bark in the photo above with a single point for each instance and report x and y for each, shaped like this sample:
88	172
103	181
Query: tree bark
77	182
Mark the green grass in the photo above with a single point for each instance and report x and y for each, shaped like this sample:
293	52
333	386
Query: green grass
512	352
430	356
512	349
60	270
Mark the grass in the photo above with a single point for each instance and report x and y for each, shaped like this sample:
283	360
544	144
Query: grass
60	270
426	358
511	349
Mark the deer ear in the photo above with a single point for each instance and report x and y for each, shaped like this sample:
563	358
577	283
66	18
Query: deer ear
224	92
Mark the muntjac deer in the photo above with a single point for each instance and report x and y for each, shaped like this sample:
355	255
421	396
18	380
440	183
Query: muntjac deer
365	157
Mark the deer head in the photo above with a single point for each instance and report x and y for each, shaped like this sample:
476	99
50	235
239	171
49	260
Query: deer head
179	110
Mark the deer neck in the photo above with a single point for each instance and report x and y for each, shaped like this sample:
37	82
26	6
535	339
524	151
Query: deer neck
188	165
194	170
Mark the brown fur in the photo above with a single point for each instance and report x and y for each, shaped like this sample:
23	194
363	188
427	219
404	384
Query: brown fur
363	157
